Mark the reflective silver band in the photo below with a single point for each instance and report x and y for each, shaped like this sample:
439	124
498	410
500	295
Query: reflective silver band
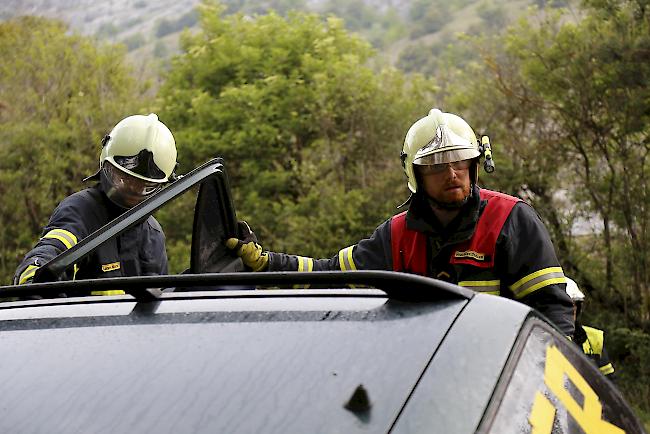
537	280
484	286
345	259
66	237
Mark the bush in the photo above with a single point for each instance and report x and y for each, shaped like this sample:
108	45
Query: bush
629	350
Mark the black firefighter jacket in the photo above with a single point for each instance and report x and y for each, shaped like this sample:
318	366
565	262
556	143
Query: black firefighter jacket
526	267
139	251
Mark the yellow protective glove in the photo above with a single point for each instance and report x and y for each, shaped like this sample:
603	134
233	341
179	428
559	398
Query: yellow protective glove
248	249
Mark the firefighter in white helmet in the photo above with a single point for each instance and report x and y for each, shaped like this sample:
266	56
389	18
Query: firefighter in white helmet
453	229
590	340
138	158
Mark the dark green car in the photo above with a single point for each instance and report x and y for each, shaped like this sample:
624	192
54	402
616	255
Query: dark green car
222	351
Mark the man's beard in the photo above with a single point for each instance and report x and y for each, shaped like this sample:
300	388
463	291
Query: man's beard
451	205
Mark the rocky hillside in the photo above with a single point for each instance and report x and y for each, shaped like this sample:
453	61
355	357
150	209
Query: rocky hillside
398	28
111	19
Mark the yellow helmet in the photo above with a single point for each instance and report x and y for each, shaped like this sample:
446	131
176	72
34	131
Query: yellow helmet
436	139
141	146
138	157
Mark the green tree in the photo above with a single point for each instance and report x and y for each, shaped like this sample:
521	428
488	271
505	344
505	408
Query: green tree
310	134
428	17
165	27
568	107
379	27
59	94
493	14
574	99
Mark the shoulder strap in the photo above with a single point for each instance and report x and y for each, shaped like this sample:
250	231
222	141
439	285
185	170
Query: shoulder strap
408	247
480	249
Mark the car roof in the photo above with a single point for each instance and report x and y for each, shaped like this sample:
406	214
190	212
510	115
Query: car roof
317	360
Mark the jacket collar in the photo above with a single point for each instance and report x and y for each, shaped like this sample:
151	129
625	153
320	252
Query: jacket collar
420	218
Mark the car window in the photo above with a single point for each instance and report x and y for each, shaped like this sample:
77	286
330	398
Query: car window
554	389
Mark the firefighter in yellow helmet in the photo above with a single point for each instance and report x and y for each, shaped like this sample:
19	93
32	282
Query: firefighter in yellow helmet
138	158
589	339
453	230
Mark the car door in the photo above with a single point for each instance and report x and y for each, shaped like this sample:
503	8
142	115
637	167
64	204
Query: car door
550	387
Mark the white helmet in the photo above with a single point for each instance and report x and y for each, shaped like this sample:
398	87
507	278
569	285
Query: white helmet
436	139
138	157
574	292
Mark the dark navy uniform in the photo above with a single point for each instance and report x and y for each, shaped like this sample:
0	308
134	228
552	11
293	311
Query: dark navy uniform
524	265
139	251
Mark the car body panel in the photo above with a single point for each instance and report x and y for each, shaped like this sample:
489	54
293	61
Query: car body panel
454	392
239	370
550	385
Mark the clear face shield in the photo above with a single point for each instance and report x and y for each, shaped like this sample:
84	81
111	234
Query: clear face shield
445	147
123	189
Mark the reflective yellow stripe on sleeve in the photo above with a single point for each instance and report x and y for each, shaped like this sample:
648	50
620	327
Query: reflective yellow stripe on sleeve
485	286
28	273
345	259
607	369
595	340
66	237
109	292
304	264
537	280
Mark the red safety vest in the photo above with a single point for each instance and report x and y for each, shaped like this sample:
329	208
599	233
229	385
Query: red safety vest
409	247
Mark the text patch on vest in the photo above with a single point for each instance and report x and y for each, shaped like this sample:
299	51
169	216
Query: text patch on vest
110	267
470	254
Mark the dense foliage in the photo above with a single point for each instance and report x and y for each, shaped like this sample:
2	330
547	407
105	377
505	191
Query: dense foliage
310	133
59	94
569	105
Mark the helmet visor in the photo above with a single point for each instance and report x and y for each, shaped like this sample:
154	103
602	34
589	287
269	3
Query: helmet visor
434	169
445	147
126	190
447	156
142	164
